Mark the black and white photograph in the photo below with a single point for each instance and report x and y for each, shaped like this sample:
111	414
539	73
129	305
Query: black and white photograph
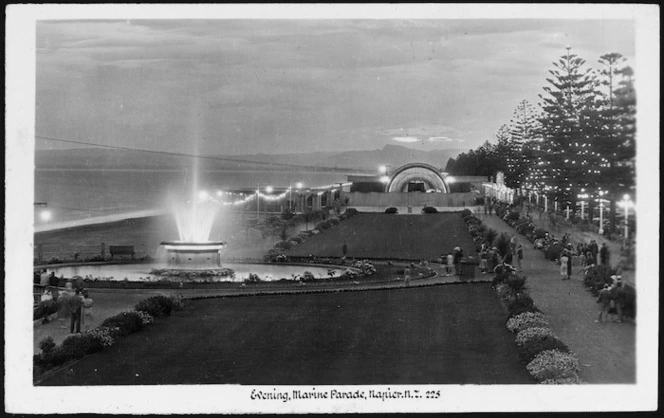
331	208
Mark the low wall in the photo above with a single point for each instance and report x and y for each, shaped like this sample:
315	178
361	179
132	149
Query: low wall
414	200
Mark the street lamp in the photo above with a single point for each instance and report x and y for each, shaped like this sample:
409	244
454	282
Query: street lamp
601	213
582	196
626	203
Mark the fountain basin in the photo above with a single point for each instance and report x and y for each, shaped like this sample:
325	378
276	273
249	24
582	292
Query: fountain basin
193	255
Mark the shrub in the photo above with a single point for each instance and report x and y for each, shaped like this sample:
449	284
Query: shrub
539	233
146	318
334	221
103	335
523	301
156	306
530	350
351	212
253	278
535	333
125	322
513	216
429	209
526	320
490	236
553	251
283	245
522	309
308	276
466	212
517	286
503	244
552	365
45	309
391	210
81	344
47	344
323	225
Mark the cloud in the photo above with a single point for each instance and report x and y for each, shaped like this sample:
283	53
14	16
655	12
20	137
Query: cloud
439	139
408	139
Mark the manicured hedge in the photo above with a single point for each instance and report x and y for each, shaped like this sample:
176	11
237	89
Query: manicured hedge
530	350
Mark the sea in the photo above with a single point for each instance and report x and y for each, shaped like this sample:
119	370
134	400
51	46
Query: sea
72	195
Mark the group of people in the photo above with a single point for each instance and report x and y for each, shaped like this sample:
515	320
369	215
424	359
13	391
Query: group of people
452	261
611	300
44	278
74	303
590	254
490	257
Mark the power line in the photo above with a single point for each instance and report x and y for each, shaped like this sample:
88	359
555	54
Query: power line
206	157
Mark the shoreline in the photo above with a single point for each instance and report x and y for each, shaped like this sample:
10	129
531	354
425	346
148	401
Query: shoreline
98	220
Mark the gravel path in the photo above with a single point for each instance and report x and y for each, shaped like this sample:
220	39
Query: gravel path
606	351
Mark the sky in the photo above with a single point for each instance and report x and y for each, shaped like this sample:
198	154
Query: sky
230	87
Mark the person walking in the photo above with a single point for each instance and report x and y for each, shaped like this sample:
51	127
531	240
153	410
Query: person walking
519	256
604	301
63	304
618	296
450	263
87	314
406	275
569	265
604	254
74	305
563	265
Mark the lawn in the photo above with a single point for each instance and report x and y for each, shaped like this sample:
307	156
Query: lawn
451	334
384	236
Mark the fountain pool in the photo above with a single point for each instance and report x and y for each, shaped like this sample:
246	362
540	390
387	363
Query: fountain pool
141	272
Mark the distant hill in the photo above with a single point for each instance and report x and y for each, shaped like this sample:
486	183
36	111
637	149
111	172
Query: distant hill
393	155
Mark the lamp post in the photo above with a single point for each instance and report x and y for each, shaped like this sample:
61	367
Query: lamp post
546	204
626	203
601	217
567	210
582	196
258	203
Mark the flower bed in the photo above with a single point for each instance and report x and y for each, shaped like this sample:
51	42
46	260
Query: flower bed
78	345
554	365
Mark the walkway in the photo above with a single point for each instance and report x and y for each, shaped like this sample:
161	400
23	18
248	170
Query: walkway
606	351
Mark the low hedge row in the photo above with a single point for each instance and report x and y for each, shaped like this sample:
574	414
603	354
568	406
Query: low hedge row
78	345
277	252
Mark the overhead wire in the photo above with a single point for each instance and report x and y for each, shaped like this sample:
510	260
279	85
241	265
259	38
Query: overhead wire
206	157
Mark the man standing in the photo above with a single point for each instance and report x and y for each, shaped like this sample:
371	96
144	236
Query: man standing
519	257
74	304
604	301
604	255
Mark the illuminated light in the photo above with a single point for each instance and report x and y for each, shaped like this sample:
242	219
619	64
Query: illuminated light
269	189
220	193
385	179
298	185
45	215
382	169
450	179
202	195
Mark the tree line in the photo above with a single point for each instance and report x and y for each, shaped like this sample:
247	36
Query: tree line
578	143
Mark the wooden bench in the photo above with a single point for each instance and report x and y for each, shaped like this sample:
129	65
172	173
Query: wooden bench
121	250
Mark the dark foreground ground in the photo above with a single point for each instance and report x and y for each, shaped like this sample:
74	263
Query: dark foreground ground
448	334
